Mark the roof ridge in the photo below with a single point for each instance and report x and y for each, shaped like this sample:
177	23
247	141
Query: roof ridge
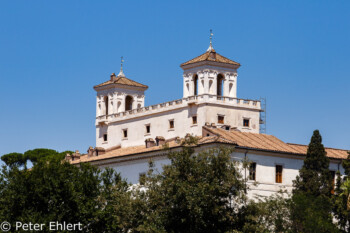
205	57
297	144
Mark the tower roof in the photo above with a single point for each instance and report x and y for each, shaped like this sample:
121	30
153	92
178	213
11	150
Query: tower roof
213	56
122	80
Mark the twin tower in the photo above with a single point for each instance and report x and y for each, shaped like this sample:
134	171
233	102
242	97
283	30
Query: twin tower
209	97
209	73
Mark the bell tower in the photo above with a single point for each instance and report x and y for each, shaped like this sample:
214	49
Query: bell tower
210	73
119	94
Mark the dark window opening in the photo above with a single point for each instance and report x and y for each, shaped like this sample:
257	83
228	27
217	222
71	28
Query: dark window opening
171	124
105	137
333	181
142	178
220	85
125	133
195	85
279	170
221	119
194	120
106	104
252	171
128	103
148	128
246	122
227	128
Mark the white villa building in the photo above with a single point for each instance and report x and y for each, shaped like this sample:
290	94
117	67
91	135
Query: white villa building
128	134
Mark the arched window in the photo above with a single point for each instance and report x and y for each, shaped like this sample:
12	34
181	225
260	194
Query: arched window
106	104
220	85
128	103
139	106
195	85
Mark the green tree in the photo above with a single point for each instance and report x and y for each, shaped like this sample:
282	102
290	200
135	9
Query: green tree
341	199
314	177
267	214
197	192
311	209
54	190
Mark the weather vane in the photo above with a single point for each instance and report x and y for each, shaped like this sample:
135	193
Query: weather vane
211	35
121	73
211	38
121	62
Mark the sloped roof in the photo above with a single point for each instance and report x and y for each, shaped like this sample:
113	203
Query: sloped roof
122	81
253	141
270	143
142	149
211	56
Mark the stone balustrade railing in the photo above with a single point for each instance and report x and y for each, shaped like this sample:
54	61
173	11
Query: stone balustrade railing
188	100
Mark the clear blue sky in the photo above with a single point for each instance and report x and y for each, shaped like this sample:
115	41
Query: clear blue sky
294	53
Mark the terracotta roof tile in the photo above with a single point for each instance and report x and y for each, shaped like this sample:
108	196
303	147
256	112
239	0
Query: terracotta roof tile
122	81
211	56
271	143
236	138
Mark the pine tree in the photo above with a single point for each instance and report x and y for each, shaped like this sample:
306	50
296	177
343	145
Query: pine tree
314	177
311	201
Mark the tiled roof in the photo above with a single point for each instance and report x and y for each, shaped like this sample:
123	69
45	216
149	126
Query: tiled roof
253	141
123	81
270	143
211	56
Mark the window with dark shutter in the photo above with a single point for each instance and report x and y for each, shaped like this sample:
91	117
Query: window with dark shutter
252	171
279	170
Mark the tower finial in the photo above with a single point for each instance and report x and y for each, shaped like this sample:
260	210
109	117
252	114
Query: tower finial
210	38
121	73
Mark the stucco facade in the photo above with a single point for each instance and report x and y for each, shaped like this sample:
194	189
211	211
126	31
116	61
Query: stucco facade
129	134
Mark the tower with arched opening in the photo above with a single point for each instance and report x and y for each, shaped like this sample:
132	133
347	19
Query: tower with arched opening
210	74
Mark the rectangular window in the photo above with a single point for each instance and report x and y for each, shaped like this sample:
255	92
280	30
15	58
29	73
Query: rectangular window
194	120
105	137
279	170
142	177
333	181
148	128
252	171
171	124
125	133
221	119
246	122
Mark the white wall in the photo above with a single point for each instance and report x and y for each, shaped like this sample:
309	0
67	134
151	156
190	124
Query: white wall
206	75
182	116
116	95
265	171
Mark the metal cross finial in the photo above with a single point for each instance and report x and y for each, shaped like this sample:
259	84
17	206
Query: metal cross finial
211	38
211	35
121	62
121	73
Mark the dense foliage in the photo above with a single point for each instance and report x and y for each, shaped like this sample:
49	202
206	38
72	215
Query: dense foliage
199	191
311	209
53	190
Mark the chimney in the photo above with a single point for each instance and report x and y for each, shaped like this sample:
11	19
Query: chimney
90	151
150	142
68	157
113	77
160	140
76	155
